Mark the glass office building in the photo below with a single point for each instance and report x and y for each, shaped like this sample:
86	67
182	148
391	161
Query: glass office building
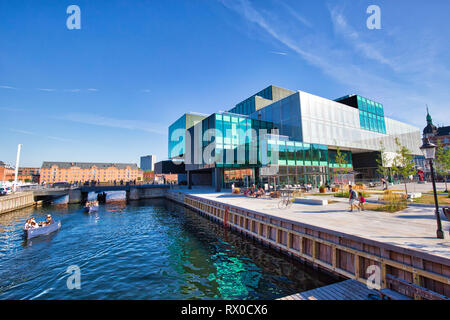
279	136
177	133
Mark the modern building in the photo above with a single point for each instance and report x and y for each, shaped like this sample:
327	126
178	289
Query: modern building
80	172
279	136
177	133
148	163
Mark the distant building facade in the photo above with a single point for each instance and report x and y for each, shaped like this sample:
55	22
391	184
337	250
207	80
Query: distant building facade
152	177
148	163
71	172
25	175
5	172
442	135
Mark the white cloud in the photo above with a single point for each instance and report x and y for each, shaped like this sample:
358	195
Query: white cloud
7	87
93	90
366	48
46	89
41	135
387	79
22	131
279	53
296	14
96	120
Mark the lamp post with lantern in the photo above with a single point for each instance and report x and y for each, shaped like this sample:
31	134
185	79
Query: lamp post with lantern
429	151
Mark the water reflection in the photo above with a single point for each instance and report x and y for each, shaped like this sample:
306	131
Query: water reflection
152	249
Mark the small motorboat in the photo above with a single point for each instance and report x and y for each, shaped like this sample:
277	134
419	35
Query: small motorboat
91	206
93	209
90	209
33	233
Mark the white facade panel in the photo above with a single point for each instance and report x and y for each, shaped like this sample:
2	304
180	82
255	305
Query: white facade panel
332	123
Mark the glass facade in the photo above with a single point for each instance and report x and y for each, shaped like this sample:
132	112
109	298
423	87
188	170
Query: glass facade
285	115
371	115
332	158
177	135
248	106
236	133
294	153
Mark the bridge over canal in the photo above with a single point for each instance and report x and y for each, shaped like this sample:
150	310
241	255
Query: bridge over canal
79	194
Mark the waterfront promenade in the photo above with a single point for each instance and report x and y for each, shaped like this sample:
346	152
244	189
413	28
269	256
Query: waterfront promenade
403	245
413	228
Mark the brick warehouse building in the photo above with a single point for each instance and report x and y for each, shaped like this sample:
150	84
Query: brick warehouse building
25	175
5	171
71	172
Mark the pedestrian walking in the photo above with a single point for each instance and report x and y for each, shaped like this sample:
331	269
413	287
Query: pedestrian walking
352	198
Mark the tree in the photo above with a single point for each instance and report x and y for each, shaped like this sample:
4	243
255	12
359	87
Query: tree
382	161
443	162
403	163
341	162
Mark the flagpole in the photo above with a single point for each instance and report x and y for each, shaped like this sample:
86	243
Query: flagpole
16	174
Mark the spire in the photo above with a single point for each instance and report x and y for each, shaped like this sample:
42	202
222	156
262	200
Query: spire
429	120
430	130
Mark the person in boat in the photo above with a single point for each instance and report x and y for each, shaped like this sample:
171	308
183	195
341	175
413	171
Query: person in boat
27	224
48	221
33	223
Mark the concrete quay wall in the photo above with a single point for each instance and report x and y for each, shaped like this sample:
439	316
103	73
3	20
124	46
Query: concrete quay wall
16	201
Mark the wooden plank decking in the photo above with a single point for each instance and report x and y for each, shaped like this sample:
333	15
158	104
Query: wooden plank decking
345	290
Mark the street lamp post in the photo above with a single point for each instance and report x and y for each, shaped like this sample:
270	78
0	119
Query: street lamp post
429	151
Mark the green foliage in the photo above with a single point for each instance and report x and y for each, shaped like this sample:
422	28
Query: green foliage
443	162
341	161
403	163
345	194
382	161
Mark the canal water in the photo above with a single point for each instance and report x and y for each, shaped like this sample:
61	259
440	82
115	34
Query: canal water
153	249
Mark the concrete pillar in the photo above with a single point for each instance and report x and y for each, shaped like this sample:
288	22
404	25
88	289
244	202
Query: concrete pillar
134	194
75	196
257	177
189	179
218	178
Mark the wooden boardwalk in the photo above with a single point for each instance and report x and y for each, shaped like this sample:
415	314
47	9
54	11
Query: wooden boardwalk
345	290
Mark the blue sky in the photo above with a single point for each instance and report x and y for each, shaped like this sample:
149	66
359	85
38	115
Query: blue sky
108	92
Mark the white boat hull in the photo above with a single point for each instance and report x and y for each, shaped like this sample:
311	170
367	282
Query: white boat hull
32	233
